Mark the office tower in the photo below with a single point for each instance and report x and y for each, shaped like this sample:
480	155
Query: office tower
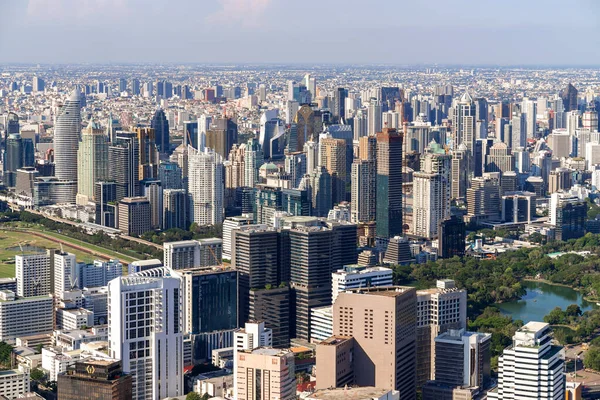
170	175
464	124
272	305
175	209
569	98
210	306
560	180
356	277
518	207
66	273
339	103
398	251
389	183
522	160
532	367
161	130
438	310
500	159
308	127
26	178
135	87
431	199
295	166
335	362
123	165
460	165
92	156
451	237
320	187
258	254
363	199
561	143
67	131
19	153
333	158
253	159
291	109
570	219
360	126
206	187
383	322
417	135
483	198
222	135
375	117
38	84
462	365
99	273
265	373
590	118
251	336
529	114
135	215
229	225
151	349
122	85
104	378
519	130
192	253
153	191
317	248
33	274
270	129
24	316
148	154
105	196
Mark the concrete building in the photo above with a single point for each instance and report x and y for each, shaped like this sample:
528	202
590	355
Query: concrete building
193	253
355	393
66	272
67	130
518	207
335	362
383	322
205	186
229	224
355	277
92	157
156	339
135	215
14	383
272	305
389	184
265	373
175	209
532	367
33	274
24	316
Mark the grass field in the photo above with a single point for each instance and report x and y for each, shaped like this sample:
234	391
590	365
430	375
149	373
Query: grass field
9	248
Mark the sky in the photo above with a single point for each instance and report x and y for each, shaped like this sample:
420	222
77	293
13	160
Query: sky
458	32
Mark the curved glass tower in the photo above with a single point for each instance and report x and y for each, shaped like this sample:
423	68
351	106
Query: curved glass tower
66	138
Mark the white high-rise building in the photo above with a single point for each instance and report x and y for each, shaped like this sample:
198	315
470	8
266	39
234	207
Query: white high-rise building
33	274
193	253
375	117
203	125
145	332
66	273
253	335
354	277
532	368
431	194
67	131
230	224
205	186
24	316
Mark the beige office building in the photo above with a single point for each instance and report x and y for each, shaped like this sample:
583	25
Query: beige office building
383	322
335	362
265	374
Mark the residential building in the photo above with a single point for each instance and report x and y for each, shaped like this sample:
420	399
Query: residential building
24	316
14	382
265	373
33	274
205	186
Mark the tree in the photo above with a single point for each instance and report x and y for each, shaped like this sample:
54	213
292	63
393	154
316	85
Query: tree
193	396
555	317
573	310
592	358
37	375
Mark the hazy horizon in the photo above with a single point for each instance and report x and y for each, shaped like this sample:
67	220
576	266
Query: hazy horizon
282	32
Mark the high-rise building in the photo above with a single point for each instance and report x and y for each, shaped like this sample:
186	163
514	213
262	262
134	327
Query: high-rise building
356	277
375	117
229	225
272	305
135	216
532	367
570	220
569	98
98	274
153	191
333	157
308	126
171	175
67	131
438	310
24	316
253	159
462	365
317	248
104	378
464	122
451	237
460	171
175	209
92	156
151	349
335	362
66	273
33	274
19	153
193	253
105	196
123	165
518	207
206	187
148	153
222	135
363	199
265	373
560	180
383	322
389	184
500	159
38	84
161	130
483	198
431	194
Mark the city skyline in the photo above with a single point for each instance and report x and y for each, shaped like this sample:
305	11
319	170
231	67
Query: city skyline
249	31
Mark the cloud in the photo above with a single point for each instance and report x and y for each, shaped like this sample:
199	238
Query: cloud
248	13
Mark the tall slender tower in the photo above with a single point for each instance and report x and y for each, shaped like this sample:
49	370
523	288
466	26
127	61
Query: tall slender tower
161	128
389	183
206	187
66	138
93	162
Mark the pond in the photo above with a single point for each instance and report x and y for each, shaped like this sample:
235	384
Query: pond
540	299
27	249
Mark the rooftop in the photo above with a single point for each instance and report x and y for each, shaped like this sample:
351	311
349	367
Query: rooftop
388	291
335	340
533	327
355	393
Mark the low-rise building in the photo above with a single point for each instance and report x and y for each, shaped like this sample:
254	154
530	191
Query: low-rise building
14	382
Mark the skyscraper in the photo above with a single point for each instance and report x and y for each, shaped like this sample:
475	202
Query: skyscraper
253	159
134	215
460	171
123	165
464	123
33	274
206	187
375	117
383	322
333	158
65	273
569	98
93	162
500	159
175	209
265	373
532	367
67	131
308	126
363	201
151	349
451	237
161	129
148	163
19	153
389	183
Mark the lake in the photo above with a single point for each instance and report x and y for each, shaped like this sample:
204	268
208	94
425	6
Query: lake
540	299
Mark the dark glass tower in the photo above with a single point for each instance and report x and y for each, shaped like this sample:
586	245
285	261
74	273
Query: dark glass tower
389	183
451	238
161	128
